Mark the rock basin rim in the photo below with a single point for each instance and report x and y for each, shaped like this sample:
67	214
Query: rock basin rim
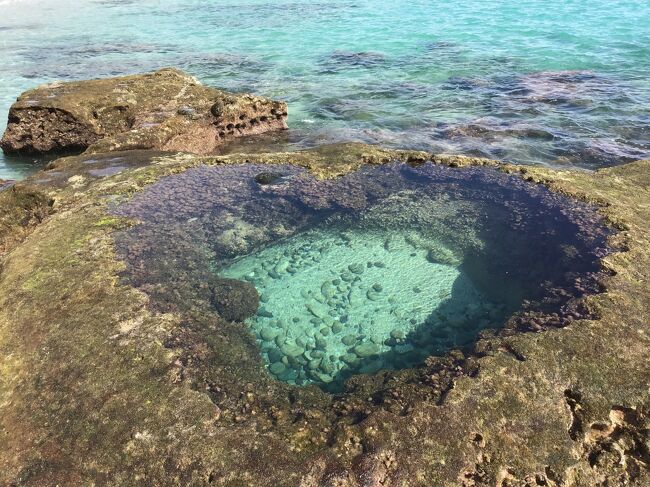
209	200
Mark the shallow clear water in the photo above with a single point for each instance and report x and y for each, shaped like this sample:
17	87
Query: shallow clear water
561	81
374	270
349	295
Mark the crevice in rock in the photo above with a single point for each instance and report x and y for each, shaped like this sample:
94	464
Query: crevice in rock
509	348
573	399
619	446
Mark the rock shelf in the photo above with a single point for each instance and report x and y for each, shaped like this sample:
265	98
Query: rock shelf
121	367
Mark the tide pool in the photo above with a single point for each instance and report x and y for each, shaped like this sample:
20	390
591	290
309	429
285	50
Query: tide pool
560	82
375	270
337	302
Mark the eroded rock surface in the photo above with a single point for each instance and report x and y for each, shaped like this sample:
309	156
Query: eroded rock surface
99	386
5	183
166	110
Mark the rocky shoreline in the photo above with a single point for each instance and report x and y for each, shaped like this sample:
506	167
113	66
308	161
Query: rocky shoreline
109	382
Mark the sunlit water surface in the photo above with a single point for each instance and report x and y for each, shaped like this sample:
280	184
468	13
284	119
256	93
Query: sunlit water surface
560	81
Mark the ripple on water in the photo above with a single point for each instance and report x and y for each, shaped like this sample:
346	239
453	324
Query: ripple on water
343	60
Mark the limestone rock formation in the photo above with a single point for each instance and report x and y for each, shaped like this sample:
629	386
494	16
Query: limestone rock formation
165	110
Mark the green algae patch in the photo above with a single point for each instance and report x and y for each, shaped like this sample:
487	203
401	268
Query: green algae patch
110	222
100	384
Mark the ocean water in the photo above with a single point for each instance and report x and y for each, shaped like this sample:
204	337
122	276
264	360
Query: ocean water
562	82
378	269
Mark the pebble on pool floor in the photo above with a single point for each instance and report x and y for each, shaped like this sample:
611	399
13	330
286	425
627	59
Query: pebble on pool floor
337	302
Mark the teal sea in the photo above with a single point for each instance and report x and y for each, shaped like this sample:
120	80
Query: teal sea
559	82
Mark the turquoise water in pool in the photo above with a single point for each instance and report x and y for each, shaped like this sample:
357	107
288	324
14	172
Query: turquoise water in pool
559	82
334	300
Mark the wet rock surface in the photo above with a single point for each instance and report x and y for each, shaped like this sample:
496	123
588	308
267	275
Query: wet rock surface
164	110
5	184
101	385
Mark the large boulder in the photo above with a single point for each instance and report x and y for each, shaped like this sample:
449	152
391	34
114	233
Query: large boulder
165	110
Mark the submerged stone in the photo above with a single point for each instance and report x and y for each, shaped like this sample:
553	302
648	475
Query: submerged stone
356	268
397	334
264	313
343	60
366	350
266	177
316	310
269	334
291	350
234	300
277	368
